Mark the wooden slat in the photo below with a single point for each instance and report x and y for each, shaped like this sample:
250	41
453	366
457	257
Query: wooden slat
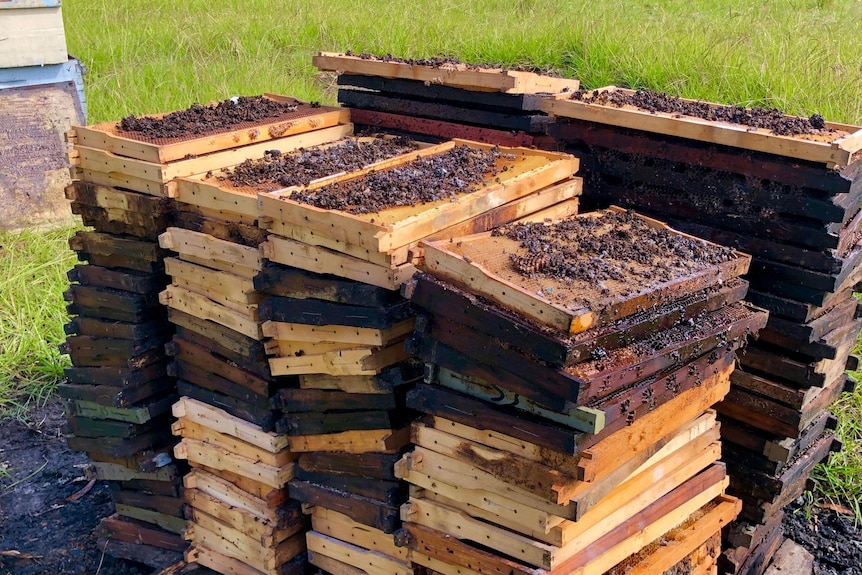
191	430
234	229
106	244
461	526
107	428
116	199
219	339
222	422
337	333
218	458
223	287
442	110
105	136
122	222
287	282
377	514
221	253
233	497
125	280
327	423
459	75
361	361
98	327
116	472
386	381
109	396
548	483
261	530
206	366
325	261
372	466
373	441
294	401
248	410
513	103
314	311
715	132
133	531
284	348
238	546
340	526
370	562
268	543
518	516
682	542
166	522
203	308
136	414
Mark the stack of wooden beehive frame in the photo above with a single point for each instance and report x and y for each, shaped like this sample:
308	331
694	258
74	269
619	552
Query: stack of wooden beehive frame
793	203
241	518
118	391
443	98
126	179
567	420
338	323
235	301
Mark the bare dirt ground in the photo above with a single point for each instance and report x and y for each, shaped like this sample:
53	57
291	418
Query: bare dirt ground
831	537
42	532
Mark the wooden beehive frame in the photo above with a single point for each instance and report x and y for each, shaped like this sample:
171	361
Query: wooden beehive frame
204	191
457	75
839	152
106	137
442	260
393	228
161	179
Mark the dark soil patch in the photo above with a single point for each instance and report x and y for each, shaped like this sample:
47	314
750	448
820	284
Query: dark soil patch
198	119
615	246
420	181
768	119
832	538
35	518
276	170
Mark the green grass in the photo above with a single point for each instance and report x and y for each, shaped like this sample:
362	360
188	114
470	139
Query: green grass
840	480
801	56
33	266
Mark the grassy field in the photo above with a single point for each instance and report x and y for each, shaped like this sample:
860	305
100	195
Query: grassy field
33	268
800	56
841	480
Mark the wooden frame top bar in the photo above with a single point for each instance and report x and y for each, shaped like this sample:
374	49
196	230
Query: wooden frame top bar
306	117
450	74
839	152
